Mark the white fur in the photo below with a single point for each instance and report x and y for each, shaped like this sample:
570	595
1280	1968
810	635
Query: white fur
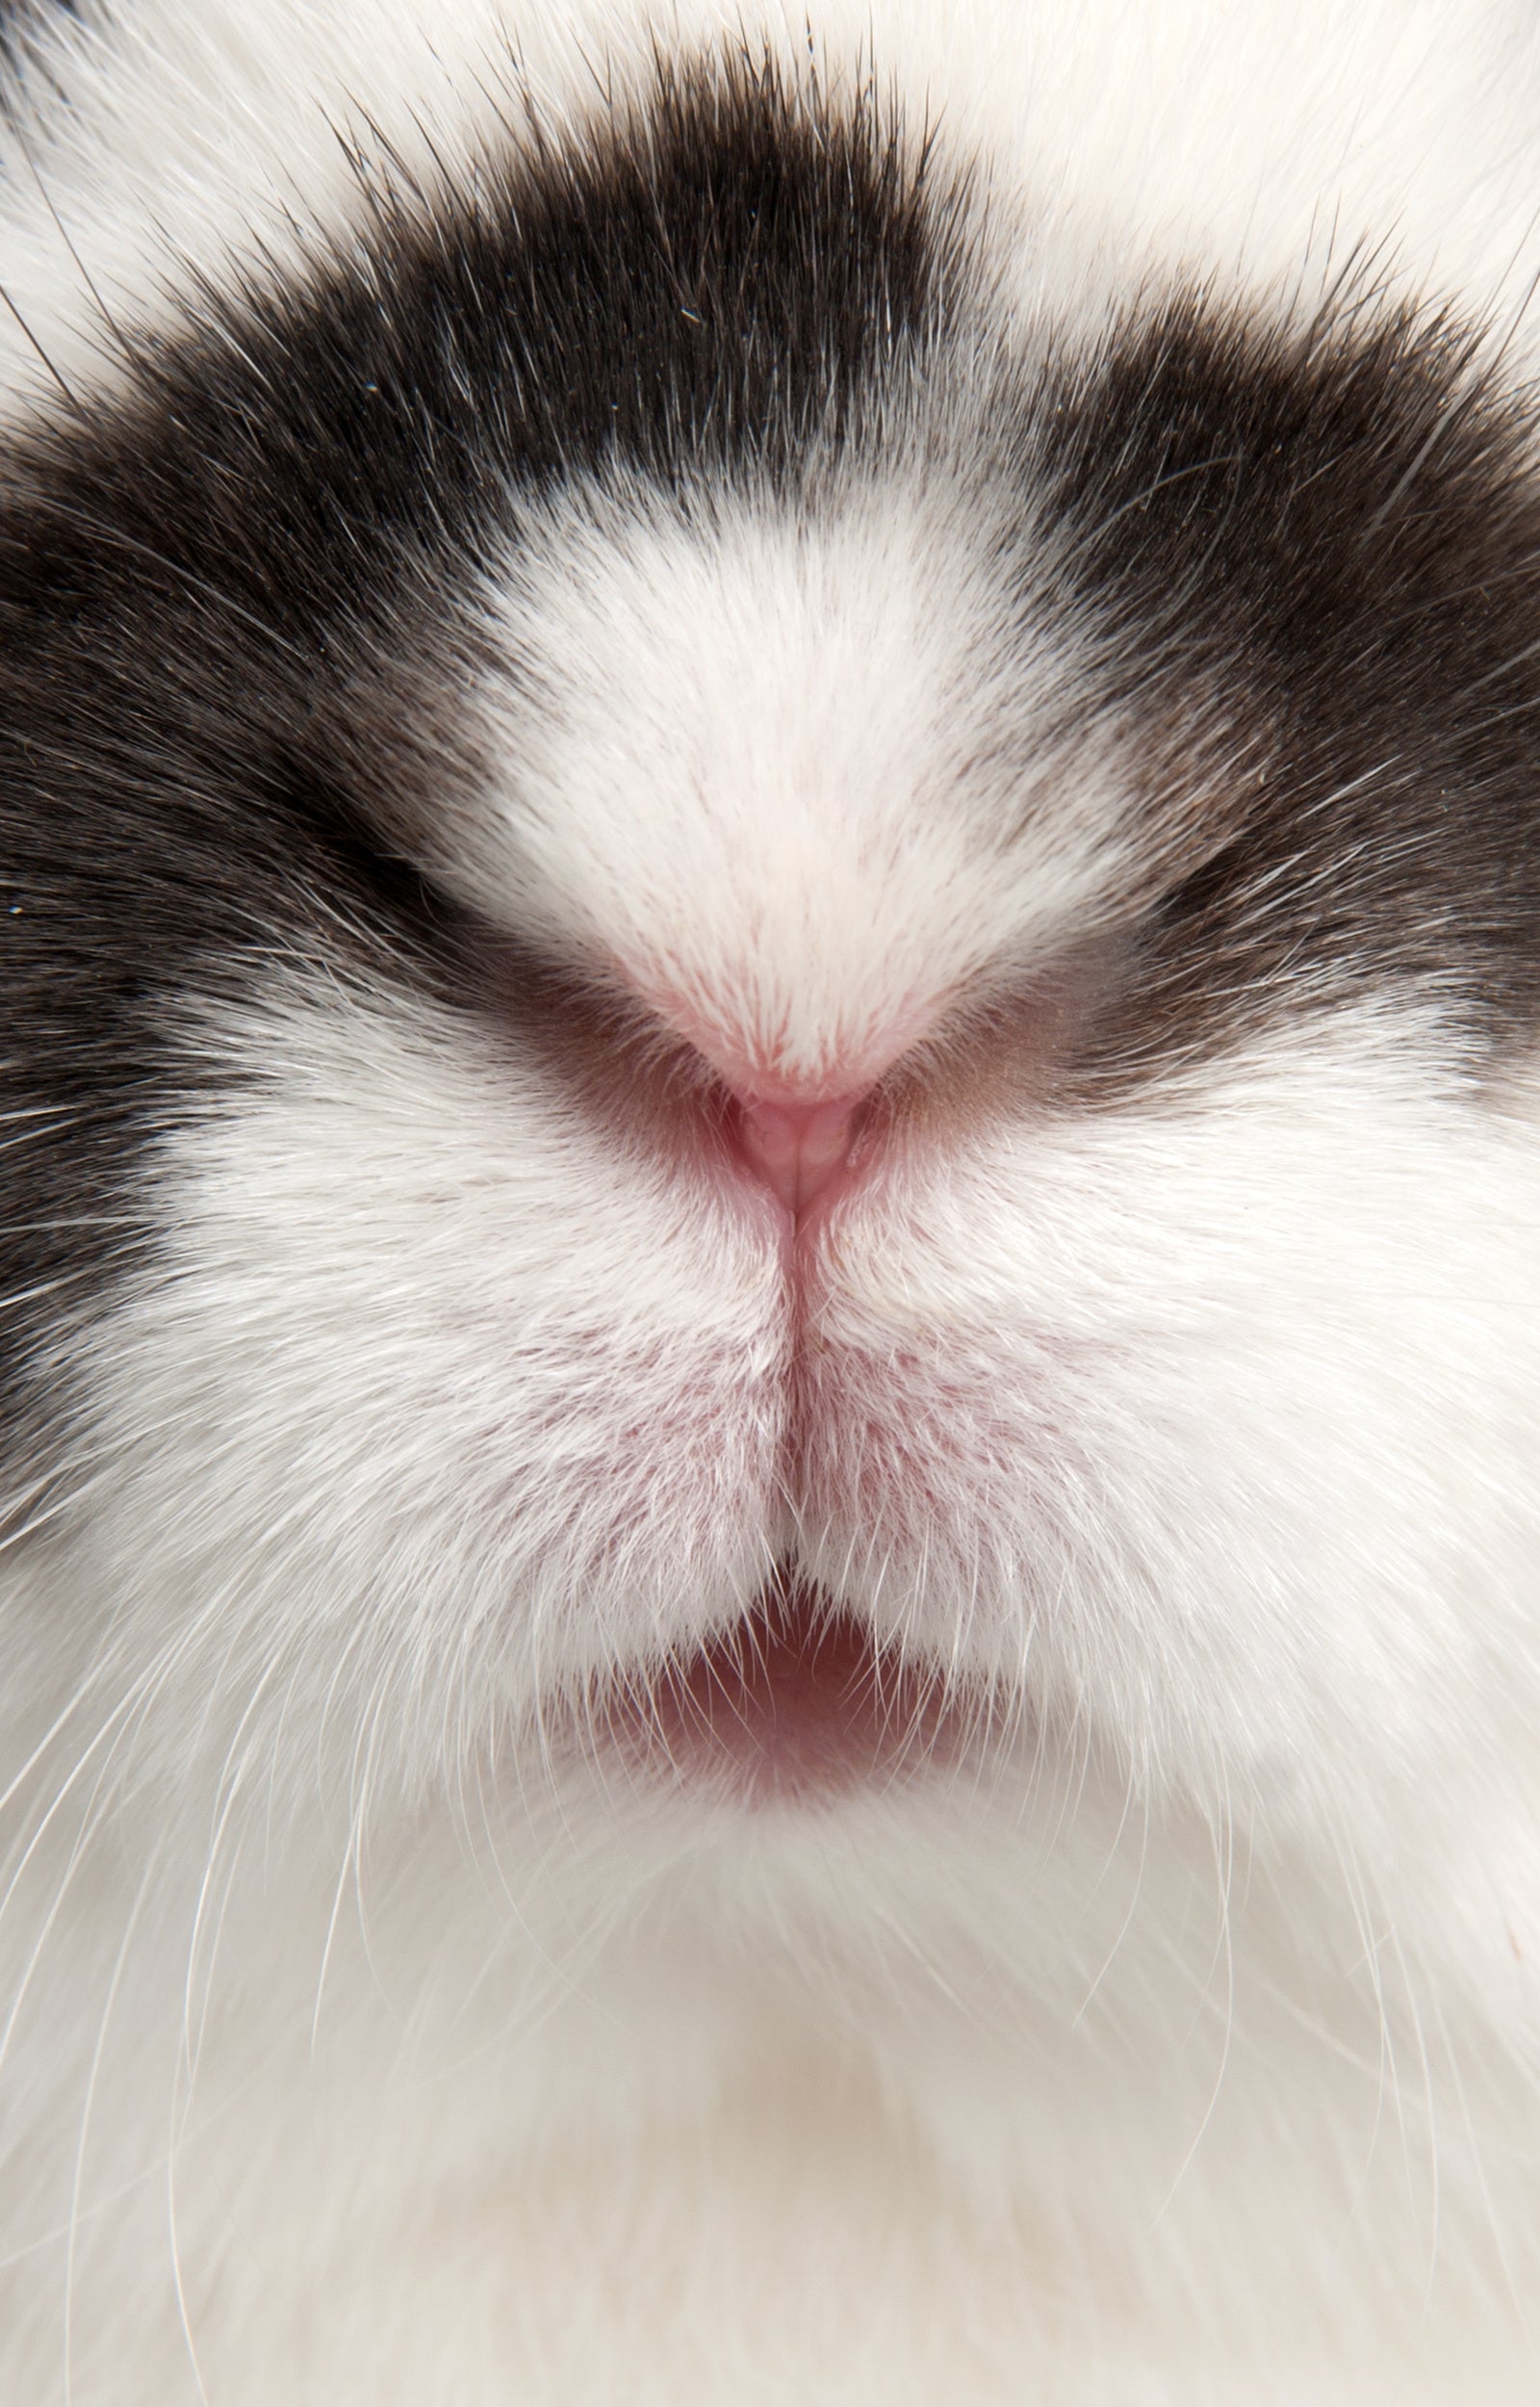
720	741
1179	2049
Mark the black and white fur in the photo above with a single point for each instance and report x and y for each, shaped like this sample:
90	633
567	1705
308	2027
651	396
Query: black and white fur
1001	531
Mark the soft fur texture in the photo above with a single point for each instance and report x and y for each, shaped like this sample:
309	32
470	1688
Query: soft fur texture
560	562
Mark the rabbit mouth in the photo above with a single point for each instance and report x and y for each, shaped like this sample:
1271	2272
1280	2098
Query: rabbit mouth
797	1703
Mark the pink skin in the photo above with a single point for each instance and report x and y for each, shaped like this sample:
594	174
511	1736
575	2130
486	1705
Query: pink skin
800	1151
788	1708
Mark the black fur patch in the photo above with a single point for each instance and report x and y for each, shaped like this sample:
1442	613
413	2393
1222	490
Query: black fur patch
190	573
1314	560
21	23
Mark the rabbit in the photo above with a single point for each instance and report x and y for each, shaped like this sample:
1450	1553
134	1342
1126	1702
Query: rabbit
770	1589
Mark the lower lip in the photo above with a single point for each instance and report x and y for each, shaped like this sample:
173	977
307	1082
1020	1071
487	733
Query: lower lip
794	1704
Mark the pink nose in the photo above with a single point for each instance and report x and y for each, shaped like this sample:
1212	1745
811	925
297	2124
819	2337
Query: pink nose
798	1150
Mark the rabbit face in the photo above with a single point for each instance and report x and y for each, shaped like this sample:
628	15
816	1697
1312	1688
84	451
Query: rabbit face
1014	782
771	945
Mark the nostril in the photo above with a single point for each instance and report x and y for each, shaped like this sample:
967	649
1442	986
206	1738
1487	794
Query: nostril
798	1150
